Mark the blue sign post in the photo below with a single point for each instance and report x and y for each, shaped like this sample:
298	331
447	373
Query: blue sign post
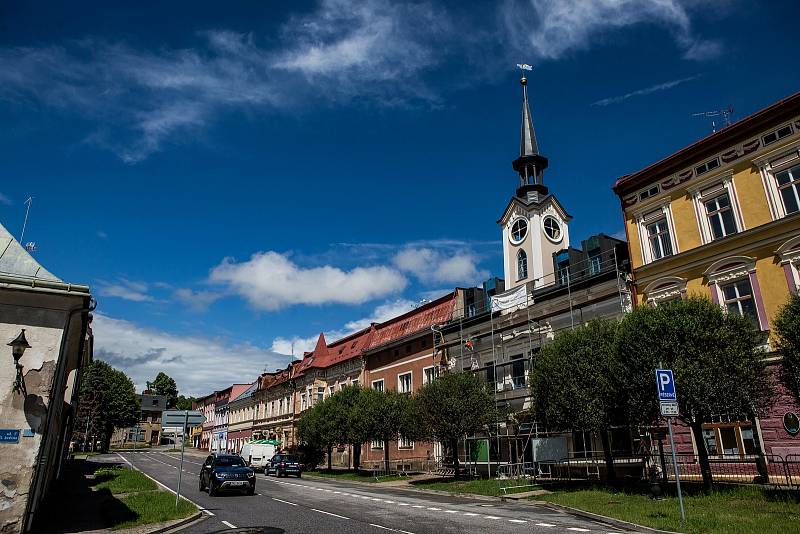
665	387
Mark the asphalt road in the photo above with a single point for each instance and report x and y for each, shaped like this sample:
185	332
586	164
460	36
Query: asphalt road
336	507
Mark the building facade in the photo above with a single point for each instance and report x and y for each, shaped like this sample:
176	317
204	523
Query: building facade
241	412
46	322
721	218
275	407
206	405
148	430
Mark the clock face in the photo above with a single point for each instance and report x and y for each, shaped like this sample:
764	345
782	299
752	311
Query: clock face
519	229
552	229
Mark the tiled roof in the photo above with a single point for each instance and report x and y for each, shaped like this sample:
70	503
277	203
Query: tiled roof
439	311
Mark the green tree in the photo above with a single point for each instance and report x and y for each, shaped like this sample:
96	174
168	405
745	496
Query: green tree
184	403
715	356
381	416
576	383
107	401
450	408
786	327
164	385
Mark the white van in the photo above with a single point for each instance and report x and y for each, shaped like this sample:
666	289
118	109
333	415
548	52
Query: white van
257	453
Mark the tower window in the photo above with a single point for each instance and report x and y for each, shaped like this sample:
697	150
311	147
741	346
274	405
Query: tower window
522	265
519	230
552	229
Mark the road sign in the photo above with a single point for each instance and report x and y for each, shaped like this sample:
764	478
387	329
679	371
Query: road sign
669	408
181	417
9	435
665	385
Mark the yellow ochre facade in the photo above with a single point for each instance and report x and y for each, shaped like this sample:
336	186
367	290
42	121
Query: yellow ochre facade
721	218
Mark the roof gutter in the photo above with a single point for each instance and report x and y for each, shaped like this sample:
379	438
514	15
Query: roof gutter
45	286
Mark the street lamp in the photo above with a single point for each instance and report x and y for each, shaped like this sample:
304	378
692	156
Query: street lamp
18	346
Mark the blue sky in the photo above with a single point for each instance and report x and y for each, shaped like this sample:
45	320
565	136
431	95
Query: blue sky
230	180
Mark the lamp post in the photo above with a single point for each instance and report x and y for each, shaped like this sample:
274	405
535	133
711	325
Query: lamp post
18	346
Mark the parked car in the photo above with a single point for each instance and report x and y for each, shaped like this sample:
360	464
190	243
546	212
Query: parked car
283	465
226	472
257	453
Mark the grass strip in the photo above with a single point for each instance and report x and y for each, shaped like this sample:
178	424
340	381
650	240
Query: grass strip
119	480
735	510
360	476
151	507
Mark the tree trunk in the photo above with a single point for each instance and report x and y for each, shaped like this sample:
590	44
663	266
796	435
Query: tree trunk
611	474
702	455
356	456
330	457
386	455
457	471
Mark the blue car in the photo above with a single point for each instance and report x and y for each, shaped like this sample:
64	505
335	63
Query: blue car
283	465
226	472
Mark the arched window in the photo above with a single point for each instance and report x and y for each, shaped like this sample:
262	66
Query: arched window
522	265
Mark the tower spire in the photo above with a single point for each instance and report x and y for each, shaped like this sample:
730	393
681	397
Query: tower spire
530	164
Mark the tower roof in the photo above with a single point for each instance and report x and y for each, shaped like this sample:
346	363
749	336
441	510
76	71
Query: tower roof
527	137
15	260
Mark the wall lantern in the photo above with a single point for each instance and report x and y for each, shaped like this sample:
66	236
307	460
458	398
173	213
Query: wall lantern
18	347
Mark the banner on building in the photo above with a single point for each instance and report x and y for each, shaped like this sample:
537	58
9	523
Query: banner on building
510	299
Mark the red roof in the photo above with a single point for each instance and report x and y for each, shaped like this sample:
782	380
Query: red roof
437	312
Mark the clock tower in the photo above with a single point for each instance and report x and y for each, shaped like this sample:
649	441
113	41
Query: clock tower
534	223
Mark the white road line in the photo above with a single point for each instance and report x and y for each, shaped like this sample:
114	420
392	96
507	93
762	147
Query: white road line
388	502
392	529
164	485
403	504
434	509
229	525
578	529
416	506
544	525
517	521
470	514
490	517
451	511
125	459
329	513
207	512
338	492
284	502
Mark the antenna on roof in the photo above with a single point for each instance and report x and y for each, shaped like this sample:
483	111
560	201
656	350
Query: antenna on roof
25	222
724	113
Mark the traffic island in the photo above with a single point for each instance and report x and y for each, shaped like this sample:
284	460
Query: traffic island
95	496
727	510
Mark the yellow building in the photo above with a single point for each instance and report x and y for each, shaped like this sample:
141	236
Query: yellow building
721	218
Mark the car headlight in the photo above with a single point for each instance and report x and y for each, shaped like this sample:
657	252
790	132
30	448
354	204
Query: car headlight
251	474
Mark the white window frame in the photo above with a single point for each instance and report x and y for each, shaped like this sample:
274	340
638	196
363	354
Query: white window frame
789	256
354	382
303	404
709	189
434	373
410	375
405	444
646	217
740	267
771	164
381	382
376	444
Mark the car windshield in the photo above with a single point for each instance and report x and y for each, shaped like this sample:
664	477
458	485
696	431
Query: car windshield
288	458
229	461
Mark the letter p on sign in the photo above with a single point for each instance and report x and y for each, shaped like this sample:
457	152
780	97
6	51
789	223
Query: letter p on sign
665	385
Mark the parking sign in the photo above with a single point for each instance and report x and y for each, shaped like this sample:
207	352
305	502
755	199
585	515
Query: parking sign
665	385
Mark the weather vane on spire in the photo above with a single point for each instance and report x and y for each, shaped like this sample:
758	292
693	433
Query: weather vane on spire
523	67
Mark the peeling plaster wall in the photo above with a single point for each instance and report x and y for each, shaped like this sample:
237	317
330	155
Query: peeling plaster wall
44	331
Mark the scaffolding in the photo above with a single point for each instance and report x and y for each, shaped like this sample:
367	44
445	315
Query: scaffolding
507	325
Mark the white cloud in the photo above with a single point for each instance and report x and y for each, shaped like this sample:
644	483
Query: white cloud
646	91
102	235
197	300
126	290
384	312
199	365
440	265
5	200
271	281
554	28
142	100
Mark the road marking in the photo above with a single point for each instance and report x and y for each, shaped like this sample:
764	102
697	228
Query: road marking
544	525
490	517
284	502
403	504
451	511
578	529
470	514
229	525
392	529
417	506
338	492
388	502
434	509
125	459
329	513
207	512
517	521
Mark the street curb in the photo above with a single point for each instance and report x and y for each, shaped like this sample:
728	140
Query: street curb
178	525
618	523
